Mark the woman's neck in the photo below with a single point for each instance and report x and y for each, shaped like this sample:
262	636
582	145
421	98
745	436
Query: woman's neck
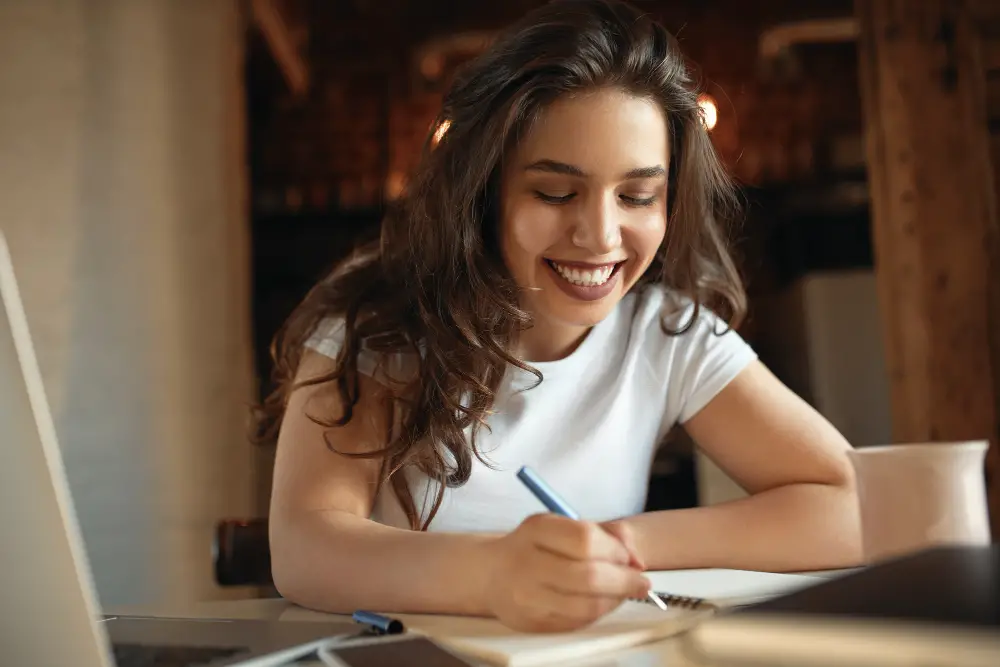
549	341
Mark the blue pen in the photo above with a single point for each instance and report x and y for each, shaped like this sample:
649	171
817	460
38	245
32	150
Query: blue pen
546	494
557	505
378	624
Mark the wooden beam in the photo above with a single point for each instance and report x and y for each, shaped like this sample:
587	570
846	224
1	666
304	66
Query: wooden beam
934	219
274	25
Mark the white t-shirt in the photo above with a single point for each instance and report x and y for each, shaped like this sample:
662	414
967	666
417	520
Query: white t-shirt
591	428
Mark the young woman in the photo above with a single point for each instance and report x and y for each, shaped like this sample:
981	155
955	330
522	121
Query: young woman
553	290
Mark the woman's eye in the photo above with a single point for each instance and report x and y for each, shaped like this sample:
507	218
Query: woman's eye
639	201
554	199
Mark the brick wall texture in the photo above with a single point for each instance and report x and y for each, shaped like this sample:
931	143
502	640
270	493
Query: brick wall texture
357	133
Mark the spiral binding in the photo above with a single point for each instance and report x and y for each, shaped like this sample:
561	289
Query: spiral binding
683	601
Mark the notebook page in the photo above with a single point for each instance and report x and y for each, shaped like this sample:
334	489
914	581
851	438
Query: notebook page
632	624
729	587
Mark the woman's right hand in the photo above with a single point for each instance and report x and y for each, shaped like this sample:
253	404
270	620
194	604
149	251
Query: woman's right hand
553	574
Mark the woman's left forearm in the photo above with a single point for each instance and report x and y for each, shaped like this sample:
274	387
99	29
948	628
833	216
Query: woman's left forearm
794	527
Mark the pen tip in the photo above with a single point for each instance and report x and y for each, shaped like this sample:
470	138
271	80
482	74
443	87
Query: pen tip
657	601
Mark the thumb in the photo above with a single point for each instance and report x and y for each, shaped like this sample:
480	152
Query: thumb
625	535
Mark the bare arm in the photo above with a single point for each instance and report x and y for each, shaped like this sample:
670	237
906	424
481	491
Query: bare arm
550	573
326	553
802	512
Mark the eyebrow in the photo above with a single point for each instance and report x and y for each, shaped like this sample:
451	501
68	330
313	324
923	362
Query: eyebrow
555	167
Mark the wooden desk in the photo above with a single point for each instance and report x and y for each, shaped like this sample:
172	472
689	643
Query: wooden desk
665	653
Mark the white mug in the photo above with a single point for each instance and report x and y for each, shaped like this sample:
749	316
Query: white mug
914	496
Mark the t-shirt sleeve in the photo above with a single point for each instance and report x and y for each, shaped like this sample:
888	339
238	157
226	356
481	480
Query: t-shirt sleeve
709	356
328	340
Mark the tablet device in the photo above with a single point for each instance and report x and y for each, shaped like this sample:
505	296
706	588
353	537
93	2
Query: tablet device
396	651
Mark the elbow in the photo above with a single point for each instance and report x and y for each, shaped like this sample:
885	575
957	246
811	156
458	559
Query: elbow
843	516
286	576
294	588
829	508
851	540
292	575
835	470
286	581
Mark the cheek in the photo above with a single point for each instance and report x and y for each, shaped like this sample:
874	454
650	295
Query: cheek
647	235
527	234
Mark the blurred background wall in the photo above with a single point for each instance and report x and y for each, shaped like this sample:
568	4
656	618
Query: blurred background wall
124	183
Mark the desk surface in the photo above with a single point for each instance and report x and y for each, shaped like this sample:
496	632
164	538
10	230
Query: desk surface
666	653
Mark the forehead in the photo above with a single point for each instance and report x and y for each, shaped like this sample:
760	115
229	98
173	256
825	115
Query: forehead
601	132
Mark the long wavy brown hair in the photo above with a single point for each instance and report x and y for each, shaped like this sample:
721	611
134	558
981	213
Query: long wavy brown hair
434	286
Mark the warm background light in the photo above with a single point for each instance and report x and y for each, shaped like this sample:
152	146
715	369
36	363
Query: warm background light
440	131
709	111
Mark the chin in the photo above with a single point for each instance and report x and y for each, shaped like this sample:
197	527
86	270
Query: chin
562	310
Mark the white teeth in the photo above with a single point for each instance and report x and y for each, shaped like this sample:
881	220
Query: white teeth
583	277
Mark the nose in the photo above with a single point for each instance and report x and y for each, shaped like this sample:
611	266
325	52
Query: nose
597	230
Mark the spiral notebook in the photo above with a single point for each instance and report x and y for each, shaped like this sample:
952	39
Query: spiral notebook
631	625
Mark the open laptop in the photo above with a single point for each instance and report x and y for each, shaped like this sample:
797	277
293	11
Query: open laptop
49	605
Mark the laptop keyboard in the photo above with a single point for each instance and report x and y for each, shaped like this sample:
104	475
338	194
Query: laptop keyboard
144	655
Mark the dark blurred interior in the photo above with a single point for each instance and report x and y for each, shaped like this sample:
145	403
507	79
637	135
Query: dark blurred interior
327	157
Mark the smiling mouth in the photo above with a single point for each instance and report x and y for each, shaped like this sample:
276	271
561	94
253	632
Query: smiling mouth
595	276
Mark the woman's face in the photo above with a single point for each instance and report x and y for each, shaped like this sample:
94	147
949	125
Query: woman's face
583	205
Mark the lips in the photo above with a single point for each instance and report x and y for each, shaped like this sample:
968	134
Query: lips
584	275
585	282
